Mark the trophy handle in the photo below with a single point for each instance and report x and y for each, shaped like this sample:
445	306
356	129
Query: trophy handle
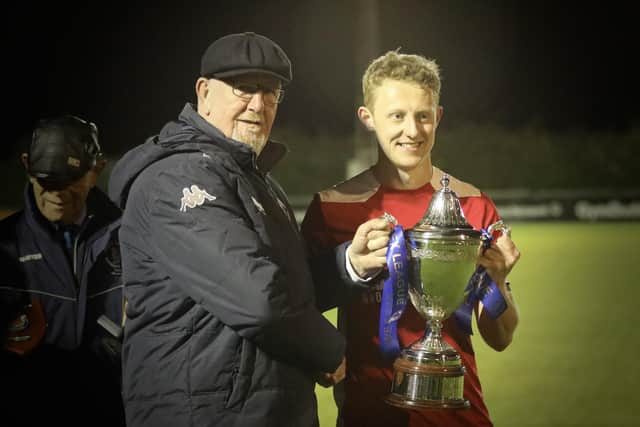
499	226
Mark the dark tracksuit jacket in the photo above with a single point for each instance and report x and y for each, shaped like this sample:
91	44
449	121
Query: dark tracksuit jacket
78	360
222	328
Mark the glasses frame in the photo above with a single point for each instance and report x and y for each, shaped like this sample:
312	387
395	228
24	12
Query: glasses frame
255	88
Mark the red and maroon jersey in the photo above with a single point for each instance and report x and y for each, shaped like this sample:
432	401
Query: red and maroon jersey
332	218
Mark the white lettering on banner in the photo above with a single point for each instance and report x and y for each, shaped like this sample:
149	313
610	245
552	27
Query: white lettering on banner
540	210
613	209
193	197
30	257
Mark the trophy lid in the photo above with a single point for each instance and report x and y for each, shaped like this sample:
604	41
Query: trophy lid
444	217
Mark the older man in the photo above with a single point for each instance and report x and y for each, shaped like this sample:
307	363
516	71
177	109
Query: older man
222	326
61	278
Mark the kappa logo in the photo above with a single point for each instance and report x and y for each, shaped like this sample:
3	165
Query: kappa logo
192	197
112	258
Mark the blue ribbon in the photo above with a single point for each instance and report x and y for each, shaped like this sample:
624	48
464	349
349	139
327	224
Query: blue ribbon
394	294
480	288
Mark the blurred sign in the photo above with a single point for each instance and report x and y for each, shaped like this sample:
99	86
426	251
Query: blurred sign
582	205
550	205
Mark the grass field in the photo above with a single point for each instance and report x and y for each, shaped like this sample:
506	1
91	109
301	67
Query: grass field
574	359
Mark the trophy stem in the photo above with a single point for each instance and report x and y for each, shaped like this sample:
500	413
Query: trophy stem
432	339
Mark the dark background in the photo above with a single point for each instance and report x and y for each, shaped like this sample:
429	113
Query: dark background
559	66
131	66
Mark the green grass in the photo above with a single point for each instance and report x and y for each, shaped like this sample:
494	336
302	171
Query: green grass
574	359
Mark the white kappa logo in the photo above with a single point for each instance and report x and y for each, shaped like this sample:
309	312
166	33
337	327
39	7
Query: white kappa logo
193	197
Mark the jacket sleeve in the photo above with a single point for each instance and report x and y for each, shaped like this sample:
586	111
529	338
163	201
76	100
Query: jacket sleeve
205	238
333	286
11	299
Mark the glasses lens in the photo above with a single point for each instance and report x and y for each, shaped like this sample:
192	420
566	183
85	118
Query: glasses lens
270	98
247	90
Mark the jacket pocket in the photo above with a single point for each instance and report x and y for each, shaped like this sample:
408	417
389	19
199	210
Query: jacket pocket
241	375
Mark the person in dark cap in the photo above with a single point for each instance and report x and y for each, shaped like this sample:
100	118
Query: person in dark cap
61	292
223	324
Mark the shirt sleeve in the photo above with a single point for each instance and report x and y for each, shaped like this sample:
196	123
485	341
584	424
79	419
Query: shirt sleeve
331	290
352	272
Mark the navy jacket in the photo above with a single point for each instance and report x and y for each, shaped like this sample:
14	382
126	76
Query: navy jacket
79	360
222	328
74	291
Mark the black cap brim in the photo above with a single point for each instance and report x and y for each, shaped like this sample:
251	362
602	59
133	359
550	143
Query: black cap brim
235	73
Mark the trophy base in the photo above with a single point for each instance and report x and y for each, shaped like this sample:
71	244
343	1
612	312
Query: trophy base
428	380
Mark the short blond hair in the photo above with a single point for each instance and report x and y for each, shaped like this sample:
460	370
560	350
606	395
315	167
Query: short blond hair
404	67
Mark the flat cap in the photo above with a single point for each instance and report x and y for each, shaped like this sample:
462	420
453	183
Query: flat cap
245	53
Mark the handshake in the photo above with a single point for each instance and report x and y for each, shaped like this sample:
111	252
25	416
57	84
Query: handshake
368	256
327	379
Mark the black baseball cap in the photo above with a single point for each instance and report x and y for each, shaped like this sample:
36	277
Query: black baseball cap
63	149
245	53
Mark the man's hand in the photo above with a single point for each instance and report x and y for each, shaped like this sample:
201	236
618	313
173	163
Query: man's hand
500	258
368	250
331	379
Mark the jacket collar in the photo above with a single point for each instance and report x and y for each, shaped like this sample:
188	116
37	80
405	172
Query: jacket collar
271	154
98	206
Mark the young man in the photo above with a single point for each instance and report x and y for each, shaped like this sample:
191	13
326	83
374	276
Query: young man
222	327
61	280
401	97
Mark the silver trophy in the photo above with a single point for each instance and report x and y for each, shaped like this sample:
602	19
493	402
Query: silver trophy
443	248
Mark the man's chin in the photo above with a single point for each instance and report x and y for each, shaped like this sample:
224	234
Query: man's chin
54	216
255	141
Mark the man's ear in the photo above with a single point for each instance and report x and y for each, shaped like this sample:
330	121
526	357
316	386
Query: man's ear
99	166
202	91
95	171
24	159
366	118
439	114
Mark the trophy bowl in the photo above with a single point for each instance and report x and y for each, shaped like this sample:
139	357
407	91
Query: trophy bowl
443	249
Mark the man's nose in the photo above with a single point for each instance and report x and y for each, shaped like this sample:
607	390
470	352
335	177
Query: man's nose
256	103
411	128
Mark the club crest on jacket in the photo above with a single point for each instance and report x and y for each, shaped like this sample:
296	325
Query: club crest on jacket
112	257
193	196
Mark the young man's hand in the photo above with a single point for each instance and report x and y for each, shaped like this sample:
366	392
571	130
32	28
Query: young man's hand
368	250
330	379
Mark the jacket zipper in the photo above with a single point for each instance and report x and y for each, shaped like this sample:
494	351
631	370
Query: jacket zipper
75	250
292	222
280	204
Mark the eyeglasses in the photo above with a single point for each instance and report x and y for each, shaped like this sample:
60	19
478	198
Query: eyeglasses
246	91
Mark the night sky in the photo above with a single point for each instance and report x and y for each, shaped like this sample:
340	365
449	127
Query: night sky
131	67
